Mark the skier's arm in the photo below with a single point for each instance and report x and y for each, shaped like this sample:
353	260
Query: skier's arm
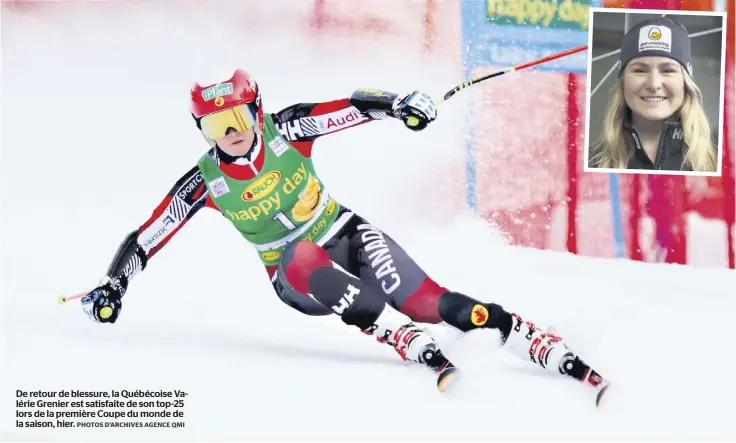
303	123
186	197
309	121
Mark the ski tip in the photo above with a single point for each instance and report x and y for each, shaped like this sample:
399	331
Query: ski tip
447	378
62	299
600	395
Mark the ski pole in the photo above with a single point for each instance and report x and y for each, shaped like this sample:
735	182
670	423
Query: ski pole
64	299
412	121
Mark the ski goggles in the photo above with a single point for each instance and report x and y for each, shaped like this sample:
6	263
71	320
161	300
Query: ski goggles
240	118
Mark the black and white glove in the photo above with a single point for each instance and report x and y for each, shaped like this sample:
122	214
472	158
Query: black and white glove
415	109
103	304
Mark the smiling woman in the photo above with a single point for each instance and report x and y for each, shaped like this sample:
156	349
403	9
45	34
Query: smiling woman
655	118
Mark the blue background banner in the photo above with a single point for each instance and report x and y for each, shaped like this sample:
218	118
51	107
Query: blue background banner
489	43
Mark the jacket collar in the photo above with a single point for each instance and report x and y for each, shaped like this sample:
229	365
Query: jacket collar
672	129
670	145
245	167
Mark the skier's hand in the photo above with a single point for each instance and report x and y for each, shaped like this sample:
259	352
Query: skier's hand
415	109
103	304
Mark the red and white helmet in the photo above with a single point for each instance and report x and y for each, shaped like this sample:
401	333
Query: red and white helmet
234	103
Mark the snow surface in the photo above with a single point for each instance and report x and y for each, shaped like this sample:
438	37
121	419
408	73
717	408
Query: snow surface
95	130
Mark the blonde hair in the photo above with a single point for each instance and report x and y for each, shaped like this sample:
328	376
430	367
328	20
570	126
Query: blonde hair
700	154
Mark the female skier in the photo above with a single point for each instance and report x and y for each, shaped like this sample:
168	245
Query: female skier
321	257
655	117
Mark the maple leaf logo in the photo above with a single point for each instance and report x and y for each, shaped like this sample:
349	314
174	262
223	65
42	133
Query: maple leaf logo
479	315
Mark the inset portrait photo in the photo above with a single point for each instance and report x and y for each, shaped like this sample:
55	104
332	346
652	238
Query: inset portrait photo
655	91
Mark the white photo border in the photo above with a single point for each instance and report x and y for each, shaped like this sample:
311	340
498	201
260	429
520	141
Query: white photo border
663	12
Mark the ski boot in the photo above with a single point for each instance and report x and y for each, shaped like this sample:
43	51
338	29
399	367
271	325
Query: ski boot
413	344
547	350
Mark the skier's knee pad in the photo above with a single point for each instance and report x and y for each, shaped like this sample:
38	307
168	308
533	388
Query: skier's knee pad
466	313
297	300
298	262
347	296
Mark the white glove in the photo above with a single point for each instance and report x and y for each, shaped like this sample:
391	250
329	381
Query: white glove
415	109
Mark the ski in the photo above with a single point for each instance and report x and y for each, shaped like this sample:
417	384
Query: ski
581	371
447	376
601	393
598	383
447	373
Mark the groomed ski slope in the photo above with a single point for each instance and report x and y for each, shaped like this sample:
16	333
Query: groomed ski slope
90	110
256	370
